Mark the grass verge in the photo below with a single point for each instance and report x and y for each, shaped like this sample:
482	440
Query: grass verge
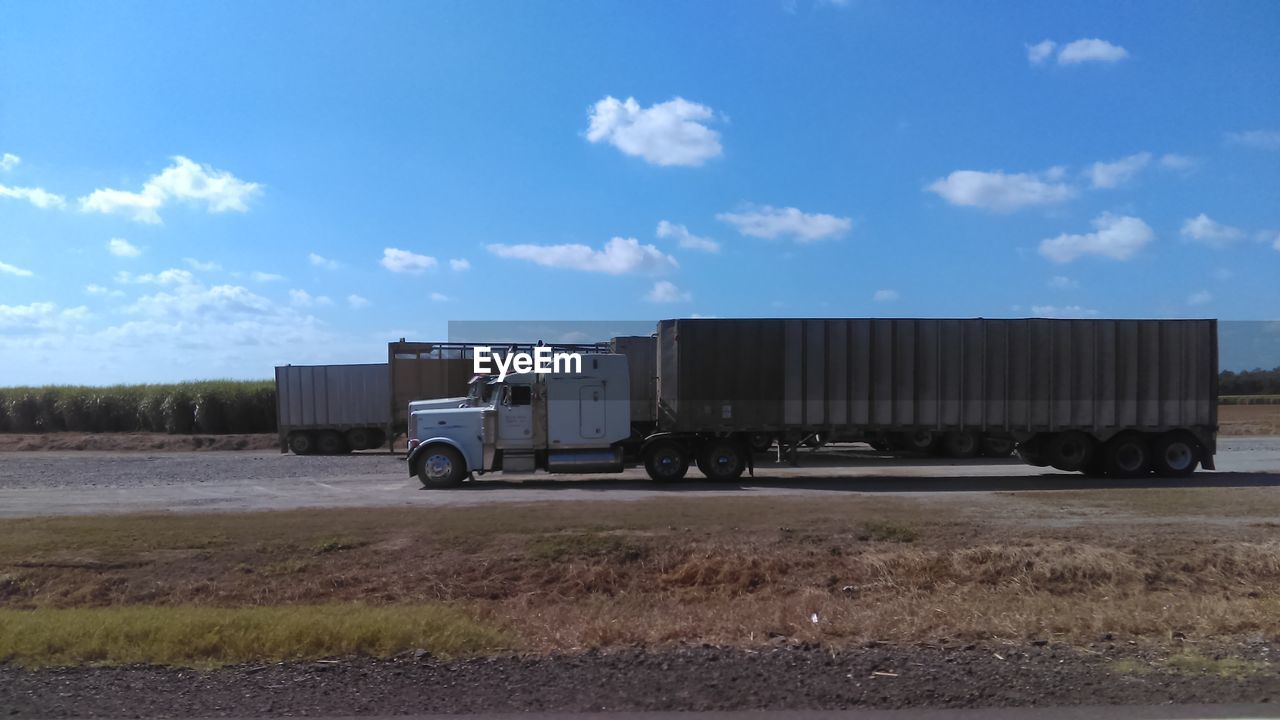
209	637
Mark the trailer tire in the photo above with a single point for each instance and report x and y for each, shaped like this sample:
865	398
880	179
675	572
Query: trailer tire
359	439
997	447
962	444
1127	456
440	467
302	443
761	442
329	442
1031	454
666	461
1175	454
1070	451
922	441
722	460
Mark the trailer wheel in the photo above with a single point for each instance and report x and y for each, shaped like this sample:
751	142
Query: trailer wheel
1175	454
1127	456
1031	454
301	443
722	461
330	443
441	466
961	444
666	461
921	441
358	439
997	447
761	442
1070	451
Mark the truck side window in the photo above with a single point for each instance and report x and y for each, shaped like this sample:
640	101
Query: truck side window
521	395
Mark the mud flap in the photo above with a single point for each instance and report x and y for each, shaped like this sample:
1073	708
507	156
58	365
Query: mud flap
1206	463
751	462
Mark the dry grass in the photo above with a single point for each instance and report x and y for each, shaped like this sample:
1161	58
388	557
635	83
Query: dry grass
735	571
1251	419
202	636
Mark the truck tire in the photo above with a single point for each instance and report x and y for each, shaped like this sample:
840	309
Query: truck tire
961	444
1126	456
722	460
329	442
922	441
997	447
1070	451
302	443
359	439
1175	454
1031	454
440	467
666	461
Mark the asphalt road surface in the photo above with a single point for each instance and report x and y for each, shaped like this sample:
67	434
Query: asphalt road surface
62	483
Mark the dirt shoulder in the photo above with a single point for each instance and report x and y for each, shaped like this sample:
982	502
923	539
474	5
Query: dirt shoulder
696	678
134	442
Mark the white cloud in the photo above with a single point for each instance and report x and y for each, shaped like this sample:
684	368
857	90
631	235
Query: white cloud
666	292
39	317
439	297
1207	231
260	276
184	180
8	269
1090	50
403	261
685	238
1259	139
356	302
1114	174
1062	282
669	133
1118	237
1174	161
36	196
122	248
1068	311
619	256
201	265
1222	274
771	223
321	261
885	296
172	276
459	264
1041	51
94	289
1200	298
304	299
1002	192
9	161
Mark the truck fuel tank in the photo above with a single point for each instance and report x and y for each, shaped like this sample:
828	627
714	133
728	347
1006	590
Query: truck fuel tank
607	460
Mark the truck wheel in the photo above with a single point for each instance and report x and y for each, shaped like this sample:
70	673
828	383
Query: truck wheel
997	447
1127	456
761	442
330	443
666	461
722	461
961	444
1070	451
301	443
1175	454
441	466
920	441
358	439
377	439
1031	454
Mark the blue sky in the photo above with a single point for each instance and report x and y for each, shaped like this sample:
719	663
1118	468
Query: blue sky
208	190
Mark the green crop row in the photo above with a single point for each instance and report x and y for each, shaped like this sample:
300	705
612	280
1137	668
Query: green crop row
215	406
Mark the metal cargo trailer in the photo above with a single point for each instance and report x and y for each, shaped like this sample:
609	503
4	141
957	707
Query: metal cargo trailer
642	364
332	408
1064	389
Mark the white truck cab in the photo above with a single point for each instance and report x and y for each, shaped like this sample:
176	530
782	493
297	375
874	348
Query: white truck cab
561	422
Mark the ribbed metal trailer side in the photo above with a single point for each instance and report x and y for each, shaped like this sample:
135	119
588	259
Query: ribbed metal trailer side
338	398
1017	377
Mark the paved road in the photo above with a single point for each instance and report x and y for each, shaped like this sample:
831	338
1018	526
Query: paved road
61	483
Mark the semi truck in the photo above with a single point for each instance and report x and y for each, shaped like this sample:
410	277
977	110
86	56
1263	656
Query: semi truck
1120	398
